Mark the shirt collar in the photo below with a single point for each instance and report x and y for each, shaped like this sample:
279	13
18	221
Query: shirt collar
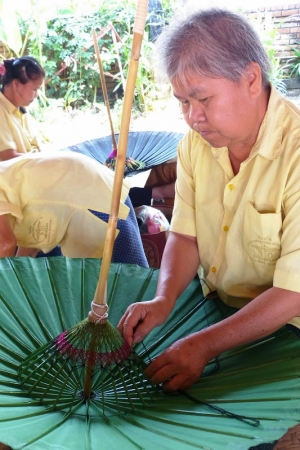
269	139
7	104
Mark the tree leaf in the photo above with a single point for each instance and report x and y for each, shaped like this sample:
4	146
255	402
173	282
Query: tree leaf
9	30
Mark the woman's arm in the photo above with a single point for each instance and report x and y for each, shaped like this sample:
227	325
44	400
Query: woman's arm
9	154
8	241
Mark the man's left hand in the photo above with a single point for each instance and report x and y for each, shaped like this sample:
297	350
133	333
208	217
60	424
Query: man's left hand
180	365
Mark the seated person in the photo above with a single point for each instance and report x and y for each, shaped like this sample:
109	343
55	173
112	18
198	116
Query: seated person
146	195
20	79
159	189
63	198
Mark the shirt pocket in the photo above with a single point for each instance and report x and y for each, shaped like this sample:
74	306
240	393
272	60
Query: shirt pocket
262	239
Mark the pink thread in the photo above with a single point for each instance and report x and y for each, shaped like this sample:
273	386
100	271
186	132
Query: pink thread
112	154
88	357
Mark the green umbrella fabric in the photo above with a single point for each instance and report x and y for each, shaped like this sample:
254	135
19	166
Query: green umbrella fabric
39	298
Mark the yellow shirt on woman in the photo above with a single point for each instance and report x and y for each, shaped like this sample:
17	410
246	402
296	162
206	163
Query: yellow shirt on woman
16	129
247	225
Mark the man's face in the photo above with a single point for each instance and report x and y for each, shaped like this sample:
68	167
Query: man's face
220	110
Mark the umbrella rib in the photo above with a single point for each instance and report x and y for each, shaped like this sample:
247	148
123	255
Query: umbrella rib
32	338
175	327
49	430
163	434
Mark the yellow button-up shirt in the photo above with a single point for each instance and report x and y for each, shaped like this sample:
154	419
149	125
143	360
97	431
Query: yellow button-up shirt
16	129
47	200
247	225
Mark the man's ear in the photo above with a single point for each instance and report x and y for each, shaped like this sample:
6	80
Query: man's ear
254	78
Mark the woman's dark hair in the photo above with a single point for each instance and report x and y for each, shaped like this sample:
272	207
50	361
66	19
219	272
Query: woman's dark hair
23	69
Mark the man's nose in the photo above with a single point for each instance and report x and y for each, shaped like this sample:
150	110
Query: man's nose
196	113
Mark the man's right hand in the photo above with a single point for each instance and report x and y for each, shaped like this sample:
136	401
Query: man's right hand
140	318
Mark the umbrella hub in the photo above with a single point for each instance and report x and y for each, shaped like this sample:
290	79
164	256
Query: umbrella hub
88	363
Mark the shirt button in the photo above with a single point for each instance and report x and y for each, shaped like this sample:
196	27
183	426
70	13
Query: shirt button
213	269
230	187
226	228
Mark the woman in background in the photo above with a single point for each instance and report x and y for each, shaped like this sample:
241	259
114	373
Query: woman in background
20	79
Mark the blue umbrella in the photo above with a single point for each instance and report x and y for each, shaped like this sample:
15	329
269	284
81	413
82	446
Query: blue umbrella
148	147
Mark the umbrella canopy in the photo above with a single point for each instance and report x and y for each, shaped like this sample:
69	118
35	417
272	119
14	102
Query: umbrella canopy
149	147
39	298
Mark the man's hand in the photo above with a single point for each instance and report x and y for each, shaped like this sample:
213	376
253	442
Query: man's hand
180	365
140	318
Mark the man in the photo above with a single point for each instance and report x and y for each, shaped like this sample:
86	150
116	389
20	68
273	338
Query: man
237	203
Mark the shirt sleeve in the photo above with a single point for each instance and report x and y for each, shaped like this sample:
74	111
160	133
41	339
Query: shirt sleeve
8	208
183	218
6	136
286	274
34	136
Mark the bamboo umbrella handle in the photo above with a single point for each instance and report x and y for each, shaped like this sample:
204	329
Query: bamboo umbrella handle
138	31
104	90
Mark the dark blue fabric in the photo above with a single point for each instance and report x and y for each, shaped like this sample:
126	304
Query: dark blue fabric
128	247
55	252
264	446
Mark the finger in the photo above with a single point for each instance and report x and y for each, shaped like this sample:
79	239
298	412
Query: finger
142	329
128	337
178	382
129	318
120	324
129	325
161	361
161	374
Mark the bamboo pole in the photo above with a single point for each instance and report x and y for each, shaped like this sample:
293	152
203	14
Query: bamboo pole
138	31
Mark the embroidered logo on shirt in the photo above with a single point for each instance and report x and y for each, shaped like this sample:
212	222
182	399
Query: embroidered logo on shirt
41	230
264	251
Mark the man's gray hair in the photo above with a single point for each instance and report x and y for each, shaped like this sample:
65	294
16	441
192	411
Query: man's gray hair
214	42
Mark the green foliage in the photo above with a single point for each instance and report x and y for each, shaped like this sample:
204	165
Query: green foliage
65	48
293	64
268	32
9	31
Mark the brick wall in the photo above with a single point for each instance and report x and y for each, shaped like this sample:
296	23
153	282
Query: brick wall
288	19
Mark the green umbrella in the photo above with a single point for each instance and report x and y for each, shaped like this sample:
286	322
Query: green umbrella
39	298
